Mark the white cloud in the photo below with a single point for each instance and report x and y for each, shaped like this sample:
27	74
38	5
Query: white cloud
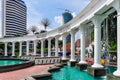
73	14
58	19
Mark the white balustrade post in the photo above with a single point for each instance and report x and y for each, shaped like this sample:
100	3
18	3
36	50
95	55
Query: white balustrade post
13	48
72	45
42	48
56	46
35	45
27	48
64	47
117	72
20	48
97	41
5	49
82	32
49	47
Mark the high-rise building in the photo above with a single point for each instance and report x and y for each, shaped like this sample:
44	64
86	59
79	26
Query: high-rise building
13	17
67	16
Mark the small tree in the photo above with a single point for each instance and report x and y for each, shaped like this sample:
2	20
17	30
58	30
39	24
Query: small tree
33	29
45	22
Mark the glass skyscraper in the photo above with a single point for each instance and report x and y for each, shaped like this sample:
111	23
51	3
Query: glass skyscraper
67	16
13	17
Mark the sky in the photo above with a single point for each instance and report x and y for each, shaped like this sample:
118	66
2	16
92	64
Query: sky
51	9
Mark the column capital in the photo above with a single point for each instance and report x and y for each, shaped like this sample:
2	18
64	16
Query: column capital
14	42
58	36
73	31
82	27
35	40
64	35
20	41
42	39
98	19
28	41
49	39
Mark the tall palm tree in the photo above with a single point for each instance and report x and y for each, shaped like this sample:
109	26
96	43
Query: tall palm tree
45	22
33	29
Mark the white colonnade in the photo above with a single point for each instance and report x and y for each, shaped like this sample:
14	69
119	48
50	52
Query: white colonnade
92	14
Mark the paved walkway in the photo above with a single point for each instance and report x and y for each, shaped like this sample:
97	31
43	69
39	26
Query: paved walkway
23	73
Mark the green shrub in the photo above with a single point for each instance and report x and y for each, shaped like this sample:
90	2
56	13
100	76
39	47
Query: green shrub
113	45
45	49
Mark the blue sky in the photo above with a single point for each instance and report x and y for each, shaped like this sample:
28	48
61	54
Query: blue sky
39	9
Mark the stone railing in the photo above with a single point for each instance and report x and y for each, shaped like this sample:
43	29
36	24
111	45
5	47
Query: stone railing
29	57
47	60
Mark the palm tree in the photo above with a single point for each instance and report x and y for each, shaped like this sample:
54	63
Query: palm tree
33	29
45	22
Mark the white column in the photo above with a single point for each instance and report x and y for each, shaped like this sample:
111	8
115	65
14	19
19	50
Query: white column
5	49
42	48
82	32
56	46
64	47
35	45
27	48
117	72
13	48
20	48
49	47
72	46
97	41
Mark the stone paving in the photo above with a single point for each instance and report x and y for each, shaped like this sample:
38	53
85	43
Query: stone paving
26	72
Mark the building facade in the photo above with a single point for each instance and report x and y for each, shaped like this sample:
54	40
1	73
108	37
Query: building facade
13	17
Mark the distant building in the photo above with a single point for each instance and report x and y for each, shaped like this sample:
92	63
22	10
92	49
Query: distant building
67	16
13	17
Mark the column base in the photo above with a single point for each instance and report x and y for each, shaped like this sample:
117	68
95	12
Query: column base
71	63
82	66
97	72
64	61
97	66
116	73
112	77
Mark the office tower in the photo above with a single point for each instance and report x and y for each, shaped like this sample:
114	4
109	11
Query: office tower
13	17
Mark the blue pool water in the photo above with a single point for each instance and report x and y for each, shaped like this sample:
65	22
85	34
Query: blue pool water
111	69
10	62
72	73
